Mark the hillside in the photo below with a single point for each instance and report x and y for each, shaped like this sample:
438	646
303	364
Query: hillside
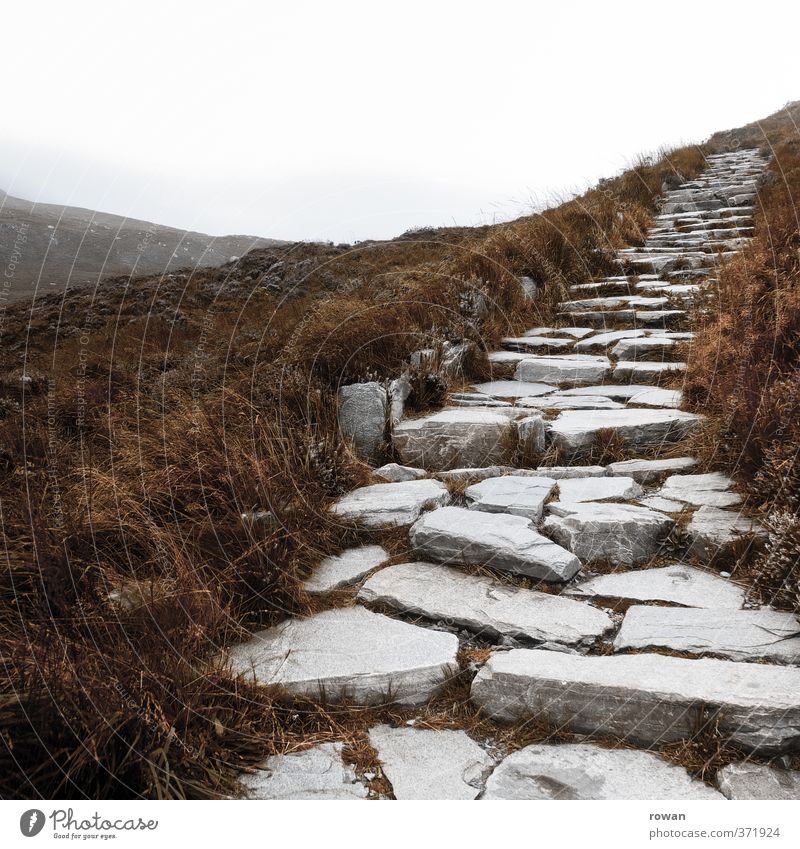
53	246
184	456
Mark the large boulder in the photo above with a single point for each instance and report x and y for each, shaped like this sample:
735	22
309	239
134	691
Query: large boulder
362	417
505	542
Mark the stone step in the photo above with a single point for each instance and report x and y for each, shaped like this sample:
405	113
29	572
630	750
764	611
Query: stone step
747	780
676	584
575	431
566	369
645	699
350	566
612	303
561	401
642	371
698	490
514	494
504	542
484	605
349	653
514	388
576	332
649	471
441	764
537	343
737	634
713	532
643	347
575	490
586	771
621	534
387	505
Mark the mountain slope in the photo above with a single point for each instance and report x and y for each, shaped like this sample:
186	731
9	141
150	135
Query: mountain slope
46	247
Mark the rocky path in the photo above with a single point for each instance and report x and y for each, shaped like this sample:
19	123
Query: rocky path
606	605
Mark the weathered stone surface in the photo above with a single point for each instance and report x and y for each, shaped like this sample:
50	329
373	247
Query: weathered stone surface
386	505
345	568
395	473
737	634
537	343
316	773
515	494
647	471
747	780
506	542
584	771
637	349
576	332
362	417
575	430
571	368
399	391
484	605
349	653
598	489
603	340
712	530
655	502
451	438
531	435
632	371
655	397
565	472
559	401
675	584
620	533
647	699
513	388
711	489
430	764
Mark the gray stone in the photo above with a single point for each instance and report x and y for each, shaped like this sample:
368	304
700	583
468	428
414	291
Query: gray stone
675	584
477	474
646	699
537	343
655	397
515	494
575	332
485	605
737	634
710	489
339	570
570	369
395	473
315	773
712	531
513	388
636	349
576	430
529	288
362	417
585	771
505	542
598	489
566	472
748	780
531	435
603	340
349	653
386	505
648	471
620	533
560	401
455	354
655	502
451	438
432	765
399	391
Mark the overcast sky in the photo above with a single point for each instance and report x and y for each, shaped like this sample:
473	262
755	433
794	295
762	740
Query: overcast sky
350	120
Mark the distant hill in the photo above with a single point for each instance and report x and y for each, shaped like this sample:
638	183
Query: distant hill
45	247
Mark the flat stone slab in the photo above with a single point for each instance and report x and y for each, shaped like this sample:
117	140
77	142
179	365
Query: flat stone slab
430	764
623	534
618	391
737	634
484	605
645	699
565	472
585	771
656	397
570	369
598	489
385	505
339	570
575	332
513	388
713	530
350	654
395	473
632	371
710	489
676	584
505	542
559	401
747	780
635	349
451	438
647	471
316	773
603	340
655	502
575	430
534	343
518	495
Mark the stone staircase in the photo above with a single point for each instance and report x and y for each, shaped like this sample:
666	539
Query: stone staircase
601	608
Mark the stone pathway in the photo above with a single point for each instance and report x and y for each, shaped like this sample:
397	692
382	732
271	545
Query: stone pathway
640	634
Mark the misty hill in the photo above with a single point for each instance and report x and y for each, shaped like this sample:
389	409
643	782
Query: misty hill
46	247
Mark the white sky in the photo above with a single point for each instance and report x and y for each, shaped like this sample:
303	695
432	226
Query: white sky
349	120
